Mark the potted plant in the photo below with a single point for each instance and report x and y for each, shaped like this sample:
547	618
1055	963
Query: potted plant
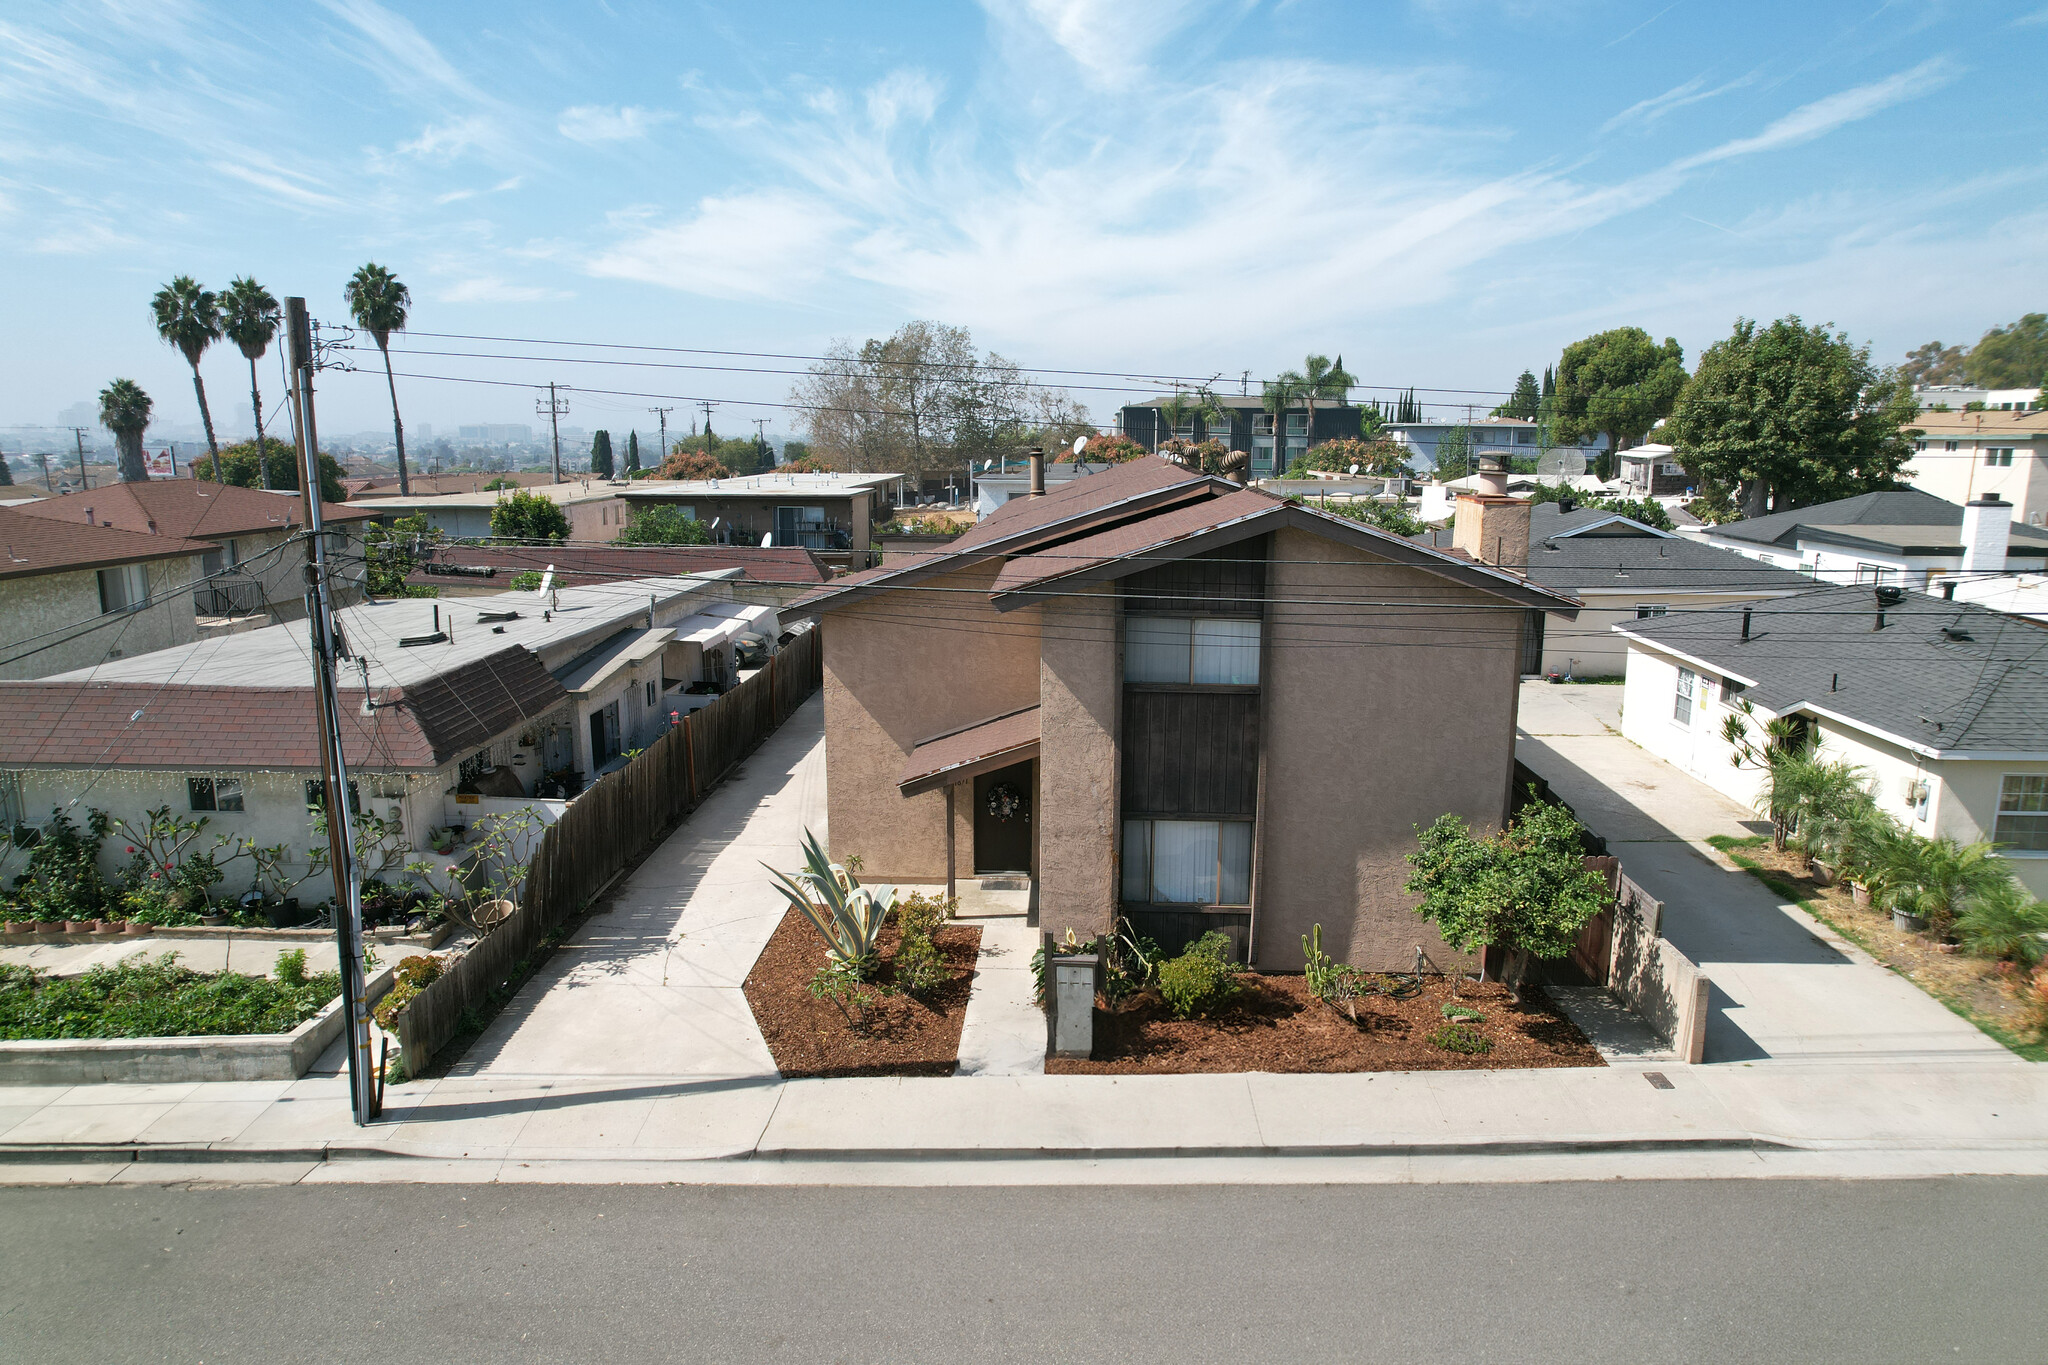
1926	882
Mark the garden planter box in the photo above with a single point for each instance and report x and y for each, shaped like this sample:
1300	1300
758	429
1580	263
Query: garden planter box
239	1057
425	942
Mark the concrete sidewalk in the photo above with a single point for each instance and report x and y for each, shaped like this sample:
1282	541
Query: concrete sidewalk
1785	987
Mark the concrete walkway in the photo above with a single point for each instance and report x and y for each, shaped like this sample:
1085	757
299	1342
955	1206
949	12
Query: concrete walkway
1786	988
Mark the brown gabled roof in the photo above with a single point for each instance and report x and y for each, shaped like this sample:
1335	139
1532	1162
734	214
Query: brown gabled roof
960	754
610	563
182	726
187	508
37	545
1128	490
1181	531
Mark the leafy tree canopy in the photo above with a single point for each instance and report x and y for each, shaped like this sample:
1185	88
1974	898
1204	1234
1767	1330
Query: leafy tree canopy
1372	457
1526	888
1106	448
1524	401
1933	363
241	466
1388	516
739	454
795	450
1616	383
1793	415
1453	456
693	464
391	552
2013	357
664	526
601	455
529	516
1648	511
806	464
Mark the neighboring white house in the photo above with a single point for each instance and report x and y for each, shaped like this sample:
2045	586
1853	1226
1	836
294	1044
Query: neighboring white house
1945	705
994	487
1905	538
1961	456
1512	436
445	705
1960	396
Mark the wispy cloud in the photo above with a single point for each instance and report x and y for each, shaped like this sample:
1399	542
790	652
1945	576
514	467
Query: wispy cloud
278	185
1824	116
762	245
1105	38
493	289
596	123
1694	91
398	51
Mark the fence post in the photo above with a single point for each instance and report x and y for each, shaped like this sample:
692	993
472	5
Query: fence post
690	760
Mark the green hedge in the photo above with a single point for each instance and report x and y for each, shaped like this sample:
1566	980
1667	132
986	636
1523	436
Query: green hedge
154	999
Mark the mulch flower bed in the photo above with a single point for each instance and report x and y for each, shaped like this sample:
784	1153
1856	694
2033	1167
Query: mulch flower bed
907	1035
1275	1025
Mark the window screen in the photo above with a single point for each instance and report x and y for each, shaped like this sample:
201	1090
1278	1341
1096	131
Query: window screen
214	793
1173	649
1188	862
1681	710
2023	812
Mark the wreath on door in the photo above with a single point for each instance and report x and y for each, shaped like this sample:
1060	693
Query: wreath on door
1005	802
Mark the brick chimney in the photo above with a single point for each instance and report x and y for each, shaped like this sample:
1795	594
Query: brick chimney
1489	525
1987	532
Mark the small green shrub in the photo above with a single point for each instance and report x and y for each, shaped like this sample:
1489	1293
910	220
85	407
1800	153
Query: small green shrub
1461	1038
2004	921
141	998
1200	979
412	975
855	997
291	968
418	970
1462	1012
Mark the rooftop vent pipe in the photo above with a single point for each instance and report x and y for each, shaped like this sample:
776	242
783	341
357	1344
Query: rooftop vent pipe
1745	625
1037	472
1887	597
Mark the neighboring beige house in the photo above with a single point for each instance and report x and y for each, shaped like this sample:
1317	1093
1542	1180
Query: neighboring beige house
831	515
73	595
1960	456
1944	704
1159	696
251	570
1621	570
592	506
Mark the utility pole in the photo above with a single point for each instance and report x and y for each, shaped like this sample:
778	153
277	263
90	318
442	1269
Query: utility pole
79	434
761	443
707	424
348	903
47	481
554	408
662	413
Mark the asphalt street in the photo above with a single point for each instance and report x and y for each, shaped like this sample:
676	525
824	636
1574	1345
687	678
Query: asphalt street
1723	1271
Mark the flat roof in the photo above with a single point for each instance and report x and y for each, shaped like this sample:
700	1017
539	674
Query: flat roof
760	486
562	494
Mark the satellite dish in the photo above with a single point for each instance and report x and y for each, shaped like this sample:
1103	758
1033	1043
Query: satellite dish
1354	469
768	540
1080	444
547	582
1562	460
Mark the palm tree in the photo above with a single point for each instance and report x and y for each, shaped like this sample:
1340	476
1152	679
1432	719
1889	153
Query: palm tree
1319	378
378	302
188	318
124	410
250	317
1173	411
1278	395
1933	879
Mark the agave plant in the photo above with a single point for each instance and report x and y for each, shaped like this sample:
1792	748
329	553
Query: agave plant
847	915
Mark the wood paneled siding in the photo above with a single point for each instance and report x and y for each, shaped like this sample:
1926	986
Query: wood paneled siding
1226	582
1191	753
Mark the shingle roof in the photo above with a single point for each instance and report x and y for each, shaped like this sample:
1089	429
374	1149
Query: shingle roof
995	742
1903	507
609	563
1131	537
179	725
1644	561
188	508
37	545
1983	689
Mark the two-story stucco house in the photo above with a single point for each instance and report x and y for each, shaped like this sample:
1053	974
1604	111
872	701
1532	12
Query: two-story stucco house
1163	697
71	595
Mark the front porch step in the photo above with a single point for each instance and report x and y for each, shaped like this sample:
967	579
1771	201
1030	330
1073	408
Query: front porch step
1011	883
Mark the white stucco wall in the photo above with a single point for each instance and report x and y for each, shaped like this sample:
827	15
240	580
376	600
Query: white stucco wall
1962	793
69	604
1589	645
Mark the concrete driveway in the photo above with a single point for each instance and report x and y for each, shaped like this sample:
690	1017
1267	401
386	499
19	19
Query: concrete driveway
1785	987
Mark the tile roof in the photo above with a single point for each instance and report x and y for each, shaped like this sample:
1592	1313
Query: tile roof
37	545
997	741
185	726
608	563
187	508
1941	677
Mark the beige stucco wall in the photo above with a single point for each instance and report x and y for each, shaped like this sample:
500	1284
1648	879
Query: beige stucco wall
1079	704
69	603
1349	774
901	667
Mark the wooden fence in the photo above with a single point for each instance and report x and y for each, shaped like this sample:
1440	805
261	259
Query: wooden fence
606	828
1623	950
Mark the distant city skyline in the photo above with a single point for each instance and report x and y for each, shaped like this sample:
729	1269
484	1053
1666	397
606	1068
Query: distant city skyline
1444	191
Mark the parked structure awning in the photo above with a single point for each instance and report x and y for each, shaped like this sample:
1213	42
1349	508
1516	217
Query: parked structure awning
963	754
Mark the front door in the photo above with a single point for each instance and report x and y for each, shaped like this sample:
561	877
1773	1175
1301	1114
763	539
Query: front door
1002	820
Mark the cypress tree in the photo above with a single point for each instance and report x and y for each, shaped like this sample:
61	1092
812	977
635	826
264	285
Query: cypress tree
632	452
1549	381
6	474
601	455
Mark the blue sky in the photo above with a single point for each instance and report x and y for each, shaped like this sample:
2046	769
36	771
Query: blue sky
1444	191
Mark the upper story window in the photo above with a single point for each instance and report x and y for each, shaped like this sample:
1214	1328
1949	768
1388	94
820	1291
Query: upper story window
1297	425
2001	456
1262	424
1646	610
1919	445
1948	445
1216	430
124	588
2023	812
1185	428
1211	651
214	793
